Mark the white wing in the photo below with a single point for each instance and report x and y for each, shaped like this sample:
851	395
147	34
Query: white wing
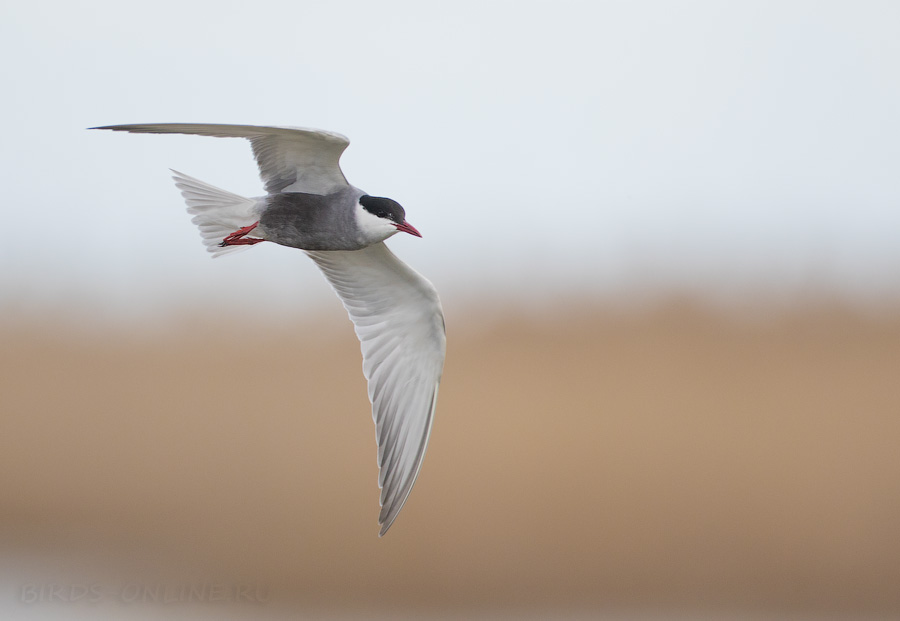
400	325
290	159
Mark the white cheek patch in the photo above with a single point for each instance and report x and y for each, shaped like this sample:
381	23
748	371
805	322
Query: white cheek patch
372	227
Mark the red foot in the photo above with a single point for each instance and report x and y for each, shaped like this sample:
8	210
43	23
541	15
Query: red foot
242	241
237	238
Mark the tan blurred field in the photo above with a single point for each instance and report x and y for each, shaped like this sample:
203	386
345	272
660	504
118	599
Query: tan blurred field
665	459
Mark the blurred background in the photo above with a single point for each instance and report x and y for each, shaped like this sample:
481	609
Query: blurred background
666	239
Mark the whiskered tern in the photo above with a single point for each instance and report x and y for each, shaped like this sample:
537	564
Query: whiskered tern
396	312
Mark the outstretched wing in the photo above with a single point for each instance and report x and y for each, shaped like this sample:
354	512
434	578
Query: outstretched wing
290	159
400	325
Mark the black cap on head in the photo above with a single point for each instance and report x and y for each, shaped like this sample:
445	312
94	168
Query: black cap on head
383	208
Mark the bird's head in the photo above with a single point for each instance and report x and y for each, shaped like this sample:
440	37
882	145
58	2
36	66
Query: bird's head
379	218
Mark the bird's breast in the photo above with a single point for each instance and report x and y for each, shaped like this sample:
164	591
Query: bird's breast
311	221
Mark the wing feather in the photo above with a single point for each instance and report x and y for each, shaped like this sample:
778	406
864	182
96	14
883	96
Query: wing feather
290	159
400	325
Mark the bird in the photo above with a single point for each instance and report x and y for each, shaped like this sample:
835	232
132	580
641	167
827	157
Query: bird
396	312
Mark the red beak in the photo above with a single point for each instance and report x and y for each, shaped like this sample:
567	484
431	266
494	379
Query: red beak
406	227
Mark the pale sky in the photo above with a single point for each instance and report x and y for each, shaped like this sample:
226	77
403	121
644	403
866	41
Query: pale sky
544	149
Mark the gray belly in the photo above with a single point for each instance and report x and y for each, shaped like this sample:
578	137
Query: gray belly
312	221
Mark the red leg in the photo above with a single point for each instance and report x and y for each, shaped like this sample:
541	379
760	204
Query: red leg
240	232
242	241
237	238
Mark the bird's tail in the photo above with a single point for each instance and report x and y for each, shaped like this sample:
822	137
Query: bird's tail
217	213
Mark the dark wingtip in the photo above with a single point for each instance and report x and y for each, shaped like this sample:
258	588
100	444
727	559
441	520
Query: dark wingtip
116	128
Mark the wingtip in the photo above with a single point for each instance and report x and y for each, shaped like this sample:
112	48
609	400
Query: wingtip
385	522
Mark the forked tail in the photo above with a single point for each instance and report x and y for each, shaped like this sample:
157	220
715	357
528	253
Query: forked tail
217	213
